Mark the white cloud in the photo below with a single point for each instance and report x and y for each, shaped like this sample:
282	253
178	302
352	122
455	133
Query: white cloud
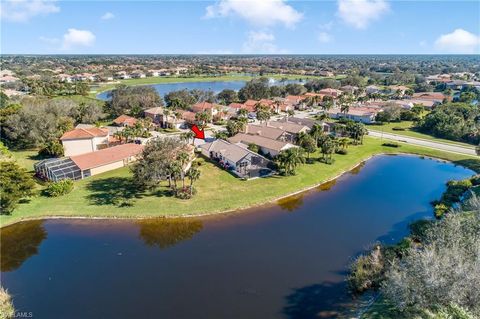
324	37
256	12
107	16
260	42
359	13
77	38
459	41
23	10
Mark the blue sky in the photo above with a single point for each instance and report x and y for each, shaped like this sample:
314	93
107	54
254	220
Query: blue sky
239	27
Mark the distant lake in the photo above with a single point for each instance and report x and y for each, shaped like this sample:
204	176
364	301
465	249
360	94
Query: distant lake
284	260
215	86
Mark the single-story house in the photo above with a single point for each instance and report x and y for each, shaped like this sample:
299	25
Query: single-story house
84	140
359	114
349	89
237	159
125	120
88	164
292	128
331	92
266	145
266	131
372	89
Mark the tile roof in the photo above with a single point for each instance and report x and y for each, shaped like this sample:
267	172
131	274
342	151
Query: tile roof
125	120
84	133
265	131
258	140
232	152
154	110
288	126
106	156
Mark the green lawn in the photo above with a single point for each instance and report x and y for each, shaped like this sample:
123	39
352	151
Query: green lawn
177	79
410	132
112	195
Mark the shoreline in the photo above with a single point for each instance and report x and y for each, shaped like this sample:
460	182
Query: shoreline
222	212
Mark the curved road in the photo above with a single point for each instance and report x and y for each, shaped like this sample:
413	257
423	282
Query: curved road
417	141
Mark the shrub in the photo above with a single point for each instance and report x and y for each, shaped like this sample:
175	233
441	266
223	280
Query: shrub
52	148
440	210
475	180
59	188
398	128
7	311
342	151
391	144
185	193
366	271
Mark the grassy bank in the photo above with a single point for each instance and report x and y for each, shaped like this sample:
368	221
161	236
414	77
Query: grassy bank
177	79
409	131
111	194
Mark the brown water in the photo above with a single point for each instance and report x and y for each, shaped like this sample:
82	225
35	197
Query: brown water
285	260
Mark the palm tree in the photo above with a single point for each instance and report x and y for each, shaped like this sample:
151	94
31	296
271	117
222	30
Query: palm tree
187	136
290	159
316	132
243	113
183	158
343	142
193	174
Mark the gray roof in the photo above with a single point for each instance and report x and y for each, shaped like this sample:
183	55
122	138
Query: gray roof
302	121
290	127
258	140
232	152
265	131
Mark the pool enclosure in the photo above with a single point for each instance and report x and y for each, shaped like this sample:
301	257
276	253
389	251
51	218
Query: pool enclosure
56	169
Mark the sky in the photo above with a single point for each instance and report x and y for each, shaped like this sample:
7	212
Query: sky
240	27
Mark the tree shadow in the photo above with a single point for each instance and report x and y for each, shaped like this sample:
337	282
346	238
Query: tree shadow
471	163
164	233
20	242
325	300
291	203
117	191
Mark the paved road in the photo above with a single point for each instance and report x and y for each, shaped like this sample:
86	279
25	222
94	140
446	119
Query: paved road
431	144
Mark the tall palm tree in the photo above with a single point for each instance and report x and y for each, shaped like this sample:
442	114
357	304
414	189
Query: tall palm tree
290	159
193	174
316	132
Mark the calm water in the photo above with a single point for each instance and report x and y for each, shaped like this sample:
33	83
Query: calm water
287	260
215	86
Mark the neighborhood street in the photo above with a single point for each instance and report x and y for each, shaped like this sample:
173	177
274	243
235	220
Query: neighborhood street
431	144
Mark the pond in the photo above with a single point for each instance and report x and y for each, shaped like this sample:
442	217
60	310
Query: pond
283	260
215	86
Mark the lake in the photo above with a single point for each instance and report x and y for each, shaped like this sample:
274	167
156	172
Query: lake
283	260
215	86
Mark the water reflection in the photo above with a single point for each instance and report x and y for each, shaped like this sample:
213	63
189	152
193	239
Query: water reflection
291	203
165	233
20	242
357	168
326	186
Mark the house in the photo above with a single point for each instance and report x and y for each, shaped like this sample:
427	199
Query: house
266	145
296	101
372	89
237	159
325	73
266	131
84	140
125	120
88	164
155	114
250	105
455	84
210	108
301	121
65	78
392	89
291	128
433	96
359	114
138	75
349	89
188	116
331	92
8	79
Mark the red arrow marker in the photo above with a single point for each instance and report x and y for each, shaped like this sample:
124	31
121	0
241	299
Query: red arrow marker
198	132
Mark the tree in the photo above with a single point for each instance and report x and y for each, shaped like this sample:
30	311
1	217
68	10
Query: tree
15	183
187	136
193	174
227	96
308	143
202	118
87	112
295	89
327	103
316	132
253	147
255	89
221	135
133	100
345	101
289	159
242	113
234	127
263	112
327	147
52	148
356	131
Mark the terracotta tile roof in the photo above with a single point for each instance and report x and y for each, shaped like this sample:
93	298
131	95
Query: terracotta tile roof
202	106
236	105
188	116
84	133
106	156
125	120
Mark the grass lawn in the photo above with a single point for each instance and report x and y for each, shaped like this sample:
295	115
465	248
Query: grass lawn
177	79
410	132
112	195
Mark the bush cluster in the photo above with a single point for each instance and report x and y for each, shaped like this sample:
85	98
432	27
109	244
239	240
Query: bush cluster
59	188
